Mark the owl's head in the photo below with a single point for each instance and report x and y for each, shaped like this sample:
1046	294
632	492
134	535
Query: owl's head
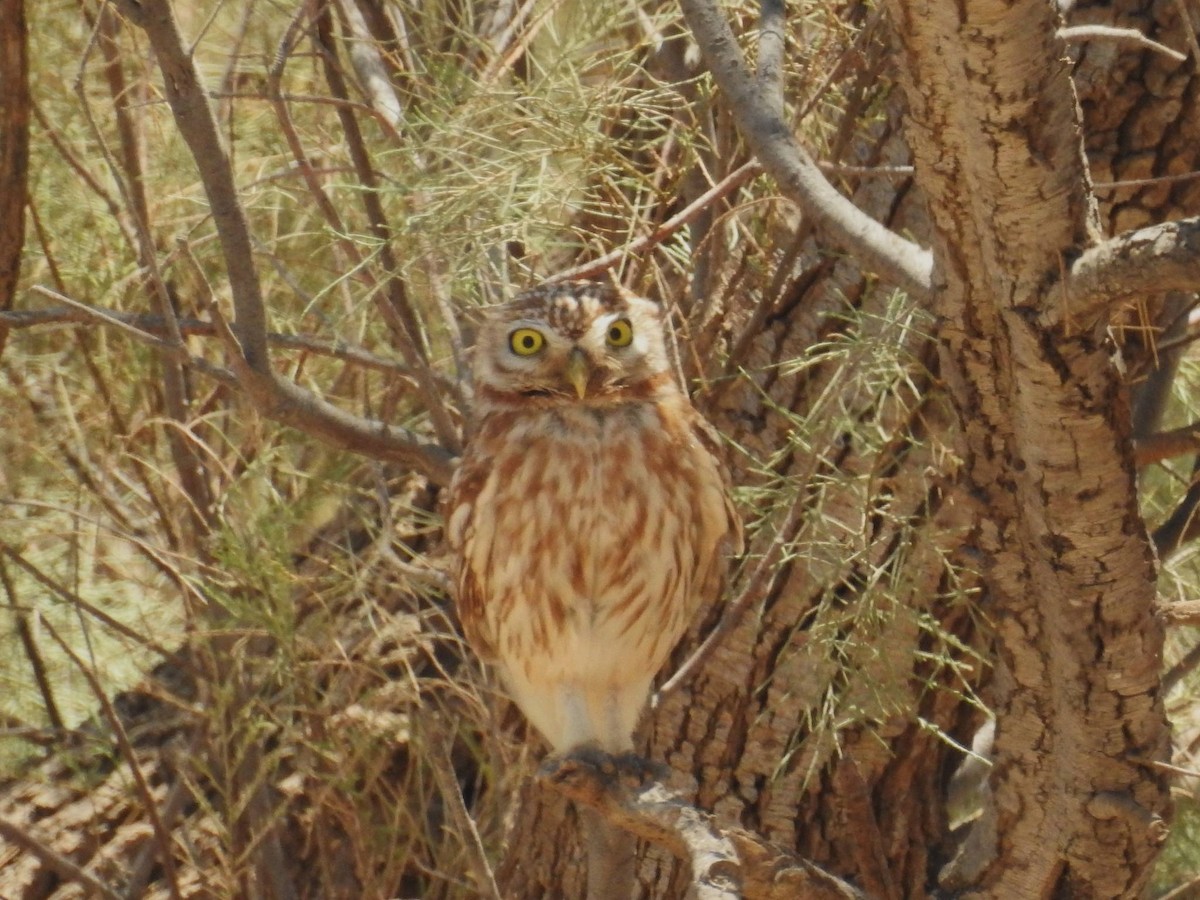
574	342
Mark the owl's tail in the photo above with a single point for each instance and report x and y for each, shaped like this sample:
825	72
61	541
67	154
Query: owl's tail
611	857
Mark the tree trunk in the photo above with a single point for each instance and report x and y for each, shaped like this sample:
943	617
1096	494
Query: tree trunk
1066	563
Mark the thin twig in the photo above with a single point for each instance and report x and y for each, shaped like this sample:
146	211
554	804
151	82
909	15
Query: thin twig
79	603
143	326
399	308
104	317
451	791
25	633
689	213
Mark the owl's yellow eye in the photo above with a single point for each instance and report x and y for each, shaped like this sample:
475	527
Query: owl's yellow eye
620	333
526	341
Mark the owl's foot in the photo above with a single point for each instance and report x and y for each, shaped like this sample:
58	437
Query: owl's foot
626	769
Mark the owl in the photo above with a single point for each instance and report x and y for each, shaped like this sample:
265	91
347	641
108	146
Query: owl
590	518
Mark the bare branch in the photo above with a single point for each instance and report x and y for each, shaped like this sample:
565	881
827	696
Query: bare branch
1079	33
146	326
1152	260
799	178
726	862
32	653
276	398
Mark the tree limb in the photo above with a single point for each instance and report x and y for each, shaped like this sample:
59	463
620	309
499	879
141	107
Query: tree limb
275	397
1151	260
838	219
726	862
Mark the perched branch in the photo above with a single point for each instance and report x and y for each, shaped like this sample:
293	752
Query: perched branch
726	862
799	178
1152	260
275	397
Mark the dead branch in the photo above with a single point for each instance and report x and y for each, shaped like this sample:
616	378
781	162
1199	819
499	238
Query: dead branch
275	397
1147	261
726	862
799	178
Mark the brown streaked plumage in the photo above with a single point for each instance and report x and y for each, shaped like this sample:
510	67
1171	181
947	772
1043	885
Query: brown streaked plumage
590	516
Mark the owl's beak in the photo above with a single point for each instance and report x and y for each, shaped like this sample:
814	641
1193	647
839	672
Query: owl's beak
578	371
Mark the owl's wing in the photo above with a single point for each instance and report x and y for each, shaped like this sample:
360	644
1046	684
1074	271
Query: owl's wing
469	597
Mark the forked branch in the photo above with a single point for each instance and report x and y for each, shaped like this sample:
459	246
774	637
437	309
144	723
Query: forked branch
275	397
